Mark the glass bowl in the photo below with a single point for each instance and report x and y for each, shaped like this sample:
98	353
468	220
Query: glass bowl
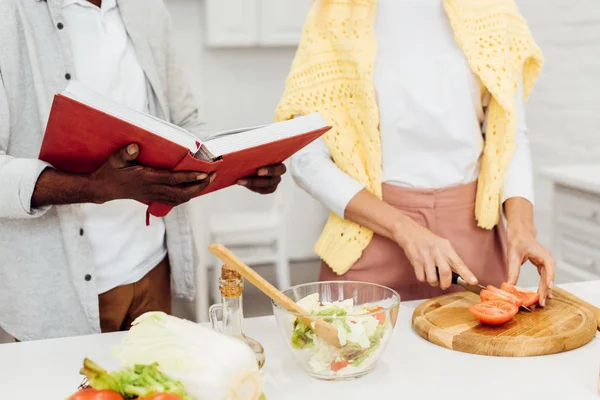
364	321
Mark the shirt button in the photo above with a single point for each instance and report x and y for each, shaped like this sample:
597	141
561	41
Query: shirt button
81	232
88	277
60	25
68	76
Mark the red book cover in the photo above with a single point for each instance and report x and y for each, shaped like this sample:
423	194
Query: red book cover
80	138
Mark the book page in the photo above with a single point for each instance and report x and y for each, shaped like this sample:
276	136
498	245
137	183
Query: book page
229	143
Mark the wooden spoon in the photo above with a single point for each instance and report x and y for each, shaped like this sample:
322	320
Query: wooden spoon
324	330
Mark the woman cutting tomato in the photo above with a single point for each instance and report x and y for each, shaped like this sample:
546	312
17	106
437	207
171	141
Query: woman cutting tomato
428	146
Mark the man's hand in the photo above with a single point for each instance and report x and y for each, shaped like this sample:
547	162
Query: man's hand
523	246
119	178
266	179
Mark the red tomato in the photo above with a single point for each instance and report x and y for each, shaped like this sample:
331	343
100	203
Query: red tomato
379	316
494	312
162	396
529	298
93	394
337	365
501	295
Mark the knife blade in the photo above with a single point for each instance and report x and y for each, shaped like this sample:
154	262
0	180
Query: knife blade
458	280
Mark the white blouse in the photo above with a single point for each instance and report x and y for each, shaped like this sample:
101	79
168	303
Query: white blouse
431	114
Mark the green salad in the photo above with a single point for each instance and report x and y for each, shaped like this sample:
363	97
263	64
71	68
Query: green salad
361	331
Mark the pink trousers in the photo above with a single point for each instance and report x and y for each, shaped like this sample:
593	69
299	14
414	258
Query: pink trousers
449	213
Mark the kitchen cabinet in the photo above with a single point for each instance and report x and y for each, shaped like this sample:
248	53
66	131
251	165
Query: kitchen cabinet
281	21
576	219
255	23
232	23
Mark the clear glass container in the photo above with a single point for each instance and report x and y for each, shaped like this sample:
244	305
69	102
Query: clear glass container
378	307
228	317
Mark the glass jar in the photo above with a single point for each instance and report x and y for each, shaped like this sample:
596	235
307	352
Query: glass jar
228	317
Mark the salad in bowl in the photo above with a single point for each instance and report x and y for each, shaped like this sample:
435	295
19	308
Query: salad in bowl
364	315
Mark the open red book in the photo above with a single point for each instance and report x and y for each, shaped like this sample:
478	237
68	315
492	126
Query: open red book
85	128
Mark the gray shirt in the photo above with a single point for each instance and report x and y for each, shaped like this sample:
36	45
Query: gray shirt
45	258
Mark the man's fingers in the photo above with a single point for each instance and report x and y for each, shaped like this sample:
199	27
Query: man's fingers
124	156
176	178
175	195
272	170
260	183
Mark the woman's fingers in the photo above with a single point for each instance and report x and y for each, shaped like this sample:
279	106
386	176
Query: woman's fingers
547	269
515	260
420	272
445	272
458	265
431	272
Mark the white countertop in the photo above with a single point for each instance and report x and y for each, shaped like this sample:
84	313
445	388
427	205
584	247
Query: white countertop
411	368
580	176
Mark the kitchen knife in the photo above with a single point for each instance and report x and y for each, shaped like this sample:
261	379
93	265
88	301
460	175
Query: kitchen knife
458	280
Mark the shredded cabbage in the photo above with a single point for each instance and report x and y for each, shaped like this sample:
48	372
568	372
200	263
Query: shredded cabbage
211	366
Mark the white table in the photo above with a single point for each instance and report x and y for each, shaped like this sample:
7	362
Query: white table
411	368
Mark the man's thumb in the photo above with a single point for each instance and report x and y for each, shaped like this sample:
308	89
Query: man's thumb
122	157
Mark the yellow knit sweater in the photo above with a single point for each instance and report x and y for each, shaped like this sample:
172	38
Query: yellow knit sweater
332	74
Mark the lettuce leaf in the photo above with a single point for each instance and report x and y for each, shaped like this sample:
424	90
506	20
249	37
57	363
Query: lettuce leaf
137	381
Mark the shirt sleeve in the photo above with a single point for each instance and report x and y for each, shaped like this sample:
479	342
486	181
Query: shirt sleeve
518	181
316	173
18	176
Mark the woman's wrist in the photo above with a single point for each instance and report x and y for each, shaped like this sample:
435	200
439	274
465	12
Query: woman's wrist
402	228
519	216
367	210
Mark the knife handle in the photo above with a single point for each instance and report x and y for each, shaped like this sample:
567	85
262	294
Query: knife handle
455	277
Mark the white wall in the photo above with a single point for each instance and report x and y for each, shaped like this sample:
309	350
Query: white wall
563	113
241	87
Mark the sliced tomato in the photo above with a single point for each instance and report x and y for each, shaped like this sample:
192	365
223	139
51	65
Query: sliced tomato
528	297
494	312
162	396
337	365
502	295
93	394
379	316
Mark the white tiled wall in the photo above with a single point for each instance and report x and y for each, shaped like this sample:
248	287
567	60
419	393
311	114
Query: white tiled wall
563	113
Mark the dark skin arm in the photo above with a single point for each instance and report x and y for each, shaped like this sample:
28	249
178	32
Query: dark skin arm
119	178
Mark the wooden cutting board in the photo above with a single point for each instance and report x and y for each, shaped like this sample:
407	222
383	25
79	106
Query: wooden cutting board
561	326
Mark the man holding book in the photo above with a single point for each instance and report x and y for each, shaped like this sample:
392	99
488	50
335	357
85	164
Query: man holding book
77	256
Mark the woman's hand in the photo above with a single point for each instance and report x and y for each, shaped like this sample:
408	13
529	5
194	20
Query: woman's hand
523	246
429	253
424	250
